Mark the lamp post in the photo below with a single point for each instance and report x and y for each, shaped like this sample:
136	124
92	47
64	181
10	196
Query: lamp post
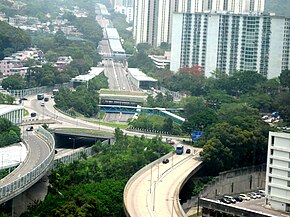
154	195
172	206
74	141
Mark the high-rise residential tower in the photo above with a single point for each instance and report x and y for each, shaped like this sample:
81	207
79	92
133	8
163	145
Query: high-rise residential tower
153	18
228	42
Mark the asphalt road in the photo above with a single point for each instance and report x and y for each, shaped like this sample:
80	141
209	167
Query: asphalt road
153	193
39	150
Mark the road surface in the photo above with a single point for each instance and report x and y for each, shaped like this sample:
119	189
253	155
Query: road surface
154	192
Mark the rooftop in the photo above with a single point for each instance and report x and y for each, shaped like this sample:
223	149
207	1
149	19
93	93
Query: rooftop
140	76
112	33
94	71
4	109
116	46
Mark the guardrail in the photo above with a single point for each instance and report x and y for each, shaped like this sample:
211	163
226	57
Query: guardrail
24	182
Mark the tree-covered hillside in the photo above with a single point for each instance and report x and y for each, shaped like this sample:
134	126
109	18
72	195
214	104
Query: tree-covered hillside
12	39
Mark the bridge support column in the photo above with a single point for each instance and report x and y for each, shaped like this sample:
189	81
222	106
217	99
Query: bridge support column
30	197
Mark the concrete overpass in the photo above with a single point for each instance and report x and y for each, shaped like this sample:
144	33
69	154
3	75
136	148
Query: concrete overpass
154	190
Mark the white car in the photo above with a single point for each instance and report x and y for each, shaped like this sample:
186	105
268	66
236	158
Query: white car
258	196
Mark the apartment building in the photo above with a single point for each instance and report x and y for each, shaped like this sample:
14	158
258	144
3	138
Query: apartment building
125	7
8	64
278	171
227	42
153	18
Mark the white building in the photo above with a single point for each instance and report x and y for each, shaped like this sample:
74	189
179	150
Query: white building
13	113
140	79
228	42
161	61
153	19
125	7
278	171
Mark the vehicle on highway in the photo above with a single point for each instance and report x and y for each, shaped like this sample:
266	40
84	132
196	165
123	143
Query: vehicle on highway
54	91
188	151
33	114
238	198
40	96
231	199
29	128
244	197
42	103
165	160
224	200
251	195
46	99
179	149
171	142
262	193
258	196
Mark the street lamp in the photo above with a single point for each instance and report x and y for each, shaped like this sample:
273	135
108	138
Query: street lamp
74	141
172	207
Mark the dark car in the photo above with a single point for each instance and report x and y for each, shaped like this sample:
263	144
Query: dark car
29	128
165	161
224	200
238	198
46	99
188	151
33	114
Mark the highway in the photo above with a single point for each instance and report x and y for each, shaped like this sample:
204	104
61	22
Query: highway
38	152
155	191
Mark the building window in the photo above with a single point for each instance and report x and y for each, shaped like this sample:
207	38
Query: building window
272	140
270	179
288	184
272	151
270	171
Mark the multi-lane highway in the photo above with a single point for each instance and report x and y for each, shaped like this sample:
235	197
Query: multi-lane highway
155	191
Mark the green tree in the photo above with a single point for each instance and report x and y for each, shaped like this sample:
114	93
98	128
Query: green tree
285	78
14	82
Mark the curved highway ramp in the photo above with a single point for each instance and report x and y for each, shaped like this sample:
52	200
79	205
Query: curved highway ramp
154	190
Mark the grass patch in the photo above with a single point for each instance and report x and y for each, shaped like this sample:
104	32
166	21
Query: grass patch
120	92
88	131
109	124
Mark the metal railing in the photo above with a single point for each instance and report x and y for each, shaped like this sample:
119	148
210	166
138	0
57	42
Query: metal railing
25	181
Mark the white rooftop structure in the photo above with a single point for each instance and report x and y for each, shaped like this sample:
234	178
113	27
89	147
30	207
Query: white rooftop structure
116	46
12	155
112	33
13	113
94	71
140	79
102	9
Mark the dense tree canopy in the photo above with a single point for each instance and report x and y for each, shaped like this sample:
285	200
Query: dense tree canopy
12	39
84	100
9	133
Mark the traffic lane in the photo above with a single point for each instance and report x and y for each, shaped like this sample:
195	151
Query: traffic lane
137	203
166	194
122	77
39	150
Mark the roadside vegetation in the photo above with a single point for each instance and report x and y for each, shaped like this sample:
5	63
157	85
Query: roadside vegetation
9	133
94	187
84	100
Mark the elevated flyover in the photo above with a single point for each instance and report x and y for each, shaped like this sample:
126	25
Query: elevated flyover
154	190
39	160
